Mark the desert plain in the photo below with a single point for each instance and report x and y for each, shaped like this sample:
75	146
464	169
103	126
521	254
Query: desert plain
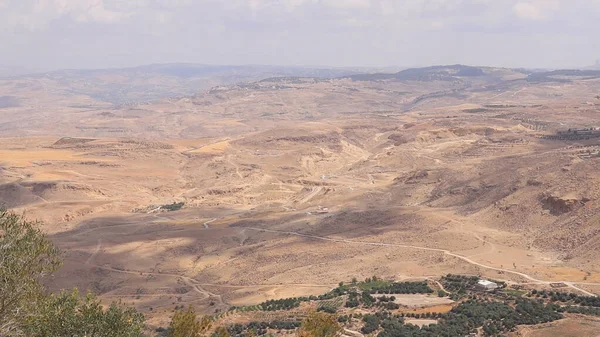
286	186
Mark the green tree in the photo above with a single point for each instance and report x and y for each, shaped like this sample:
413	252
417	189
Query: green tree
320	324
26	256
186	324
69	314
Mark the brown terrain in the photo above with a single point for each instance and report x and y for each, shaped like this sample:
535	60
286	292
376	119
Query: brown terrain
570	327
294	184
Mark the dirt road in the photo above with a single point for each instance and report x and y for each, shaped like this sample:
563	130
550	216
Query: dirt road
444	251
208	222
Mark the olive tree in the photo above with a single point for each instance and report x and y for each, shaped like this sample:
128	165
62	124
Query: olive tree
69	314
26	256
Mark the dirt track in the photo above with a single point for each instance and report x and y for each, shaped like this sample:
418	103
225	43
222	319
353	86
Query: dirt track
447	252
343	145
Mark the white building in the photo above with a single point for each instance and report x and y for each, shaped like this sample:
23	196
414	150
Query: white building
487	285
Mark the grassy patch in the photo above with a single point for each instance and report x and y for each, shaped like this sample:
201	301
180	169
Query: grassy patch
371	284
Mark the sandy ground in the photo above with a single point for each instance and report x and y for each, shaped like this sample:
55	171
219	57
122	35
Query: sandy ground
419	301
280	205
420	322
569	327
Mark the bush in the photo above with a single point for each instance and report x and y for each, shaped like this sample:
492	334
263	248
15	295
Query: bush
186	324
385	287
371	324
328	309
173	207
318	324
282	304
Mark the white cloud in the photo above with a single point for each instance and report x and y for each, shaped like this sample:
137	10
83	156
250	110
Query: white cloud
527	11
357	32
34	15
348	4
536	9
96	12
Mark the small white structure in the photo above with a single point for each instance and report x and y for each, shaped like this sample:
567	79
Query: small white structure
487	285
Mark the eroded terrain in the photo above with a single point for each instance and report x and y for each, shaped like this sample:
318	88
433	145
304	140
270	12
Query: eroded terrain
293	185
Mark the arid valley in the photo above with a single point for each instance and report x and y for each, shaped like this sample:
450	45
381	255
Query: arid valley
161	192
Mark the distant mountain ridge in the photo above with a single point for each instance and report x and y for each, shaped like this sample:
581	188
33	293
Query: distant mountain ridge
432	73
457	71
188	70
596	66
157	81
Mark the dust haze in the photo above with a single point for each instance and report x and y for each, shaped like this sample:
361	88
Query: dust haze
292	180
185	182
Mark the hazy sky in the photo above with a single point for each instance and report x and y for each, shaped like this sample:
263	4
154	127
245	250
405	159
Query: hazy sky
112	33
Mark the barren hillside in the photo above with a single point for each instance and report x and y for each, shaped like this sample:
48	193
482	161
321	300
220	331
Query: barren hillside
290	185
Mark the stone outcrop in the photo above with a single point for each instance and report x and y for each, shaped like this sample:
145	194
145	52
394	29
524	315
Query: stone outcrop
558	205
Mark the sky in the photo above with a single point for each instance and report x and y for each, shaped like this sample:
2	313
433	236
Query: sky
56	34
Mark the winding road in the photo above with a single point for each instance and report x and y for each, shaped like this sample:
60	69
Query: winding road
444	251
96	251
196	286
187	280
208	222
